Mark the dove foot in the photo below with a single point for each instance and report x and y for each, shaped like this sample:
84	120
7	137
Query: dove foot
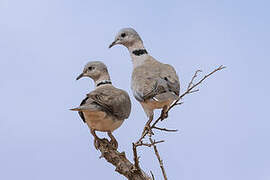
97	143
147	128
96	139
113	141
164	113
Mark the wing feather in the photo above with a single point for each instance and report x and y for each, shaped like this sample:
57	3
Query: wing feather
152	79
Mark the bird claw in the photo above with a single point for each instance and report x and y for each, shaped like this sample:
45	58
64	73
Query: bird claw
113	141
164	115
97	143
114	144
96	139
147	130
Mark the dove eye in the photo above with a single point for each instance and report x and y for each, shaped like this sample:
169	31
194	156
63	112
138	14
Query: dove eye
123	35
91	68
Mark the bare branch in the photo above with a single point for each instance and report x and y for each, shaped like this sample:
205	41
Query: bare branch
179	103
119	160
164	129
196	90
159	160
135	156
148	144
143	135
193	77
191	86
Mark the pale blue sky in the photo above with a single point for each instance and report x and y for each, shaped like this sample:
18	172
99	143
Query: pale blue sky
223	129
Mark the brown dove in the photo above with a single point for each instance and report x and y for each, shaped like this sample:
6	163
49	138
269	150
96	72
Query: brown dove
105	108
154	84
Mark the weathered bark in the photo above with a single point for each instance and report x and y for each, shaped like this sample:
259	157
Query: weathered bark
120	161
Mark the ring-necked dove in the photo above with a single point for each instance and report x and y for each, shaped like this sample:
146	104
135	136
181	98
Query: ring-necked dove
154	84
105	108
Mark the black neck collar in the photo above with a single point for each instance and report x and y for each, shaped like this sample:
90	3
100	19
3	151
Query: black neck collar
104	82
139	52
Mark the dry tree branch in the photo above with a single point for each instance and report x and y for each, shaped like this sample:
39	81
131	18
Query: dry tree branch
135	156
119	160
194	76
165	129
148	144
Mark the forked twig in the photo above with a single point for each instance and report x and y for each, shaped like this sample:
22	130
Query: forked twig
164	129
193	77
135	156
159	160
148	144
192	86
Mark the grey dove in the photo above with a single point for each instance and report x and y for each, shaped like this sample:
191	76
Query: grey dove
154	84
105	108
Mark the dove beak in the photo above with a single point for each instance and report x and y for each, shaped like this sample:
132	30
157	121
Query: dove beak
114	43
80	76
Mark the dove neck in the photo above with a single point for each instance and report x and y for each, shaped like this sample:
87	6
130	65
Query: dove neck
102	80
138	54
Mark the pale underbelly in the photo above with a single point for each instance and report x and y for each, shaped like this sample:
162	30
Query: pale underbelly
99	121
152	104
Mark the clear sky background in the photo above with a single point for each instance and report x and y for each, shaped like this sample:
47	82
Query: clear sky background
223	129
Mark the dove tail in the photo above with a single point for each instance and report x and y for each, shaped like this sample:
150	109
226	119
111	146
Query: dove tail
75	109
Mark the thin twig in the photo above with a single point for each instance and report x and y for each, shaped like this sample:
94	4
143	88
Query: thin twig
148	144
190	86
196	90
193	77
179	103
164	129
144	134
135	156
159	160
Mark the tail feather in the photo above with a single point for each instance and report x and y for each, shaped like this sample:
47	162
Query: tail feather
165	96
75	109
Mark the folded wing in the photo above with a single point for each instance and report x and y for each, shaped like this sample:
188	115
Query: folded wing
152	79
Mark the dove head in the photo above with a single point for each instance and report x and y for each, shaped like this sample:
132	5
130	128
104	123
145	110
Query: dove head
127	37
96	70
